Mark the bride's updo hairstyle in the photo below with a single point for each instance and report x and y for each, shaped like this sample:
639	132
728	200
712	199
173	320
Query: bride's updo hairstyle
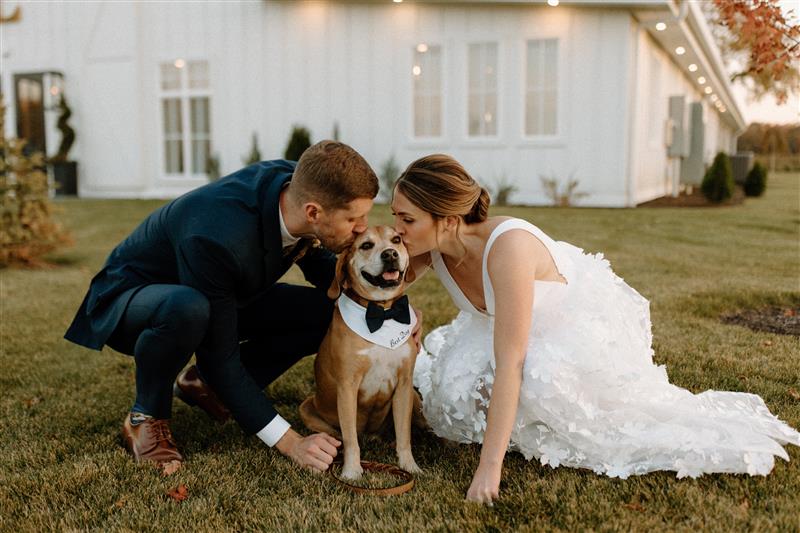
439	185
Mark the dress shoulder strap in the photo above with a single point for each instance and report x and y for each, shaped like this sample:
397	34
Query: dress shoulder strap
508	225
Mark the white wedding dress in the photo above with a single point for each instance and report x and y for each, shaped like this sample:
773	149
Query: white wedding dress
591	395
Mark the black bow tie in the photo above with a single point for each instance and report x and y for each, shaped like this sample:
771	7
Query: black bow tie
377	314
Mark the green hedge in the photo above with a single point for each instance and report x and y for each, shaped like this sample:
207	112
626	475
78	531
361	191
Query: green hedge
718	183
756	182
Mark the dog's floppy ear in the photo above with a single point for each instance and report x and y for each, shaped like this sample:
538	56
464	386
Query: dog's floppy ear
410	274
340	278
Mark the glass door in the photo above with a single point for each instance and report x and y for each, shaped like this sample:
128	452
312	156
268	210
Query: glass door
30	111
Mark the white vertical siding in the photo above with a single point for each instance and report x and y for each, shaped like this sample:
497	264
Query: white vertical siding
597	100
276	64
650	163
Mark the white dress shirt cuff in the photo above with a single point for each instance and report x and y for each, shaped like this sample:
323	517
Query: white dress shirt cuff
272	432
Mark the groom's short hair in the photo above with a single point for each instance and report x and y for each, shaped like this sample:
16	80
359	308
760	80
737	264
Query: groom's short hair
333	175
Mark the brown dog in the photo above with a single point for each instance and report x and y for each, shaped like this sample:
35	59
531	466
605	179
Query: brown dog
358	380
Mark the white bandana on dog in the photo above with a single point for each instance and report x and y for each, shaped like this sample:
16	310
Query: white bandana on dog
391	335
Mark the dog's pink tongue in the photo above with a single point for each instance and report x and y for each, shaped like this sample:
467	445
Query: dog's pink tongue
388	276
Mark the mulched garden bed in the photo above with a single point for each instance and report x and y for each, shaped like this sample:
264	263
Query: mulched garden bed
782	320
695	199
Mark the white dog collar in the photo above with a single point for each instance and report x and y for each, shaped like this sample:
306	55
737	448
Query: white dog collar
391	335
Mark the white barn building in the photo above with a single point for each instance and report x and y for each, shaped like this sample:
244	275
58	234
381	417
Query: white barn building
628	97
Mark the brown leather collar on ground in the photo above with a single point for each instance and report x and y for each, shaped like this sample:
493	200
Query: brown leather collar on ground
369	466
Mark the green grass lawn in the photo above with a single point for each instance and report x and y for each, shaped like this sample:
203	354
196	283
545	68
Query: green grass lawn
62	467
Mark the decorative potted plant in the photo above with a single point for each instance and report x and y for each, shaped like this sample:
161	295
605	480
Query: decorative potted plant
65	172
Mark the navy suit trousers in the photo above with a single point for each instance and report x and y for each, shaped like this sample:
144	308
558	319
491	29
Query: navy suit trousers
164	324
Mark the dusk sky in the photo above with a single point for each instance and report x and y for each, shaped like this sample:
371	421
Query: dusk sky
767	110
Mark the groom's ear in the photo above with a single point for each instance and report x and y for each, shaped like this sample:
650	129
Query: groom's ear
312	211
340	277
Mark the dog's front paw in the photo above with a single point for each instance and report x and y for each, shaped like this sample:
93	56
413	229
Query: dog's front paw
409	465
352	471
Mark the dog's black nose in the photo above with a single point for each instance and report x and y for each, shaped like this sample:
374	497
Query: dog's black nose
389	254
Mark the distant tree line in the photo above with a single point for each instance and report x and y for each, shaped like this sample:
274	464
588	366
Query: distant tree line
771	139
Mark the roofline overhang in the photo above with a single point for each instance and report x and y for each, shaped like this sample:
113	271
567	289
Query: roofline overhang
697	22
687	27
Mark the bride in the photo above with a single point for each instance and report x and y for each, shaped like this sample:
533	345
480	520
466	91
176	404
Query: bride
551	352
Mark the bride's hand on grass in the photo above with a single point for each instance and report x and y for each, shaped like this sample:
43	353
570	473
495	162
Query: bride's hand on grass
485	486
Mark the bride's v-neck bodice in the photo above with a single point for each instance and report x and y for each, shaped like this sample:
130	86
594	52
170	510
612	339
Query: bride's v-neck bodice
458	296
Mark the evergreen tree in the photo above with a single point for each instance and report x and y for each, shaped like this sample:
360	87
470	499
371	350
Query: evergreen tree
299	142
756	182
255	154
718	183
67	133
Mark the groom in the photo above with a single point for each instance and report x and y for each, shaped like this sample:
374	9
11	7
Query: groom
199	276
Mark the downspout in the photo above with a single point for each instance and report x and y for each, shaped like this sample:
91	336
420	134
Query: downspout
677	161
683	11
630	193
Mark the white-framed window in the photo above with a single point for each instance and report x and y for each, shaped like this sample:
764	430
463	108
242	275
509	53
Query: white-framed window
541	88
185	101
427	74
482	115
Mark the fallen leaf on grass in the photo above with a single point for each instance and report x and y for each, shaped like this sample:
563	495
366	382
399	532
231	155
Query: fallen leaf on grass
794	394
167	469
179	493
635	504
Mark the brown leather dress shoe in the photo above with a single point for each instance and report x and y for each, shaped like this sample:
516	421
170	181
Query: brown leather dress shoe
194	391
150	440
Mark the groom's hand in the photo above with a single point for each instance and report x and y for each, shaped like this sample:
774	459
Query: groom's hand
315	451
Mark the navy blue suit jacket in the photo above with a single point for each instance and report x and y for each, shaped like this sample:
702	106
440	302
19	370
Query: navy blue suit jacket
224	240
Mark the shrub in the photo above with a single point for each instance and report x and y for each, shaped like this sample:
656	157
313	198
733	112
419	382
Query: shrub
255	154
756	181
559	198
718	183
299	141
389	173
212	167
27	228
503	190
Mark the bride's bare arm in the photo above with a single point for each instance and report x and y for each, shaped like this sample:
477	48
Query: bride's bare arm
512	276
